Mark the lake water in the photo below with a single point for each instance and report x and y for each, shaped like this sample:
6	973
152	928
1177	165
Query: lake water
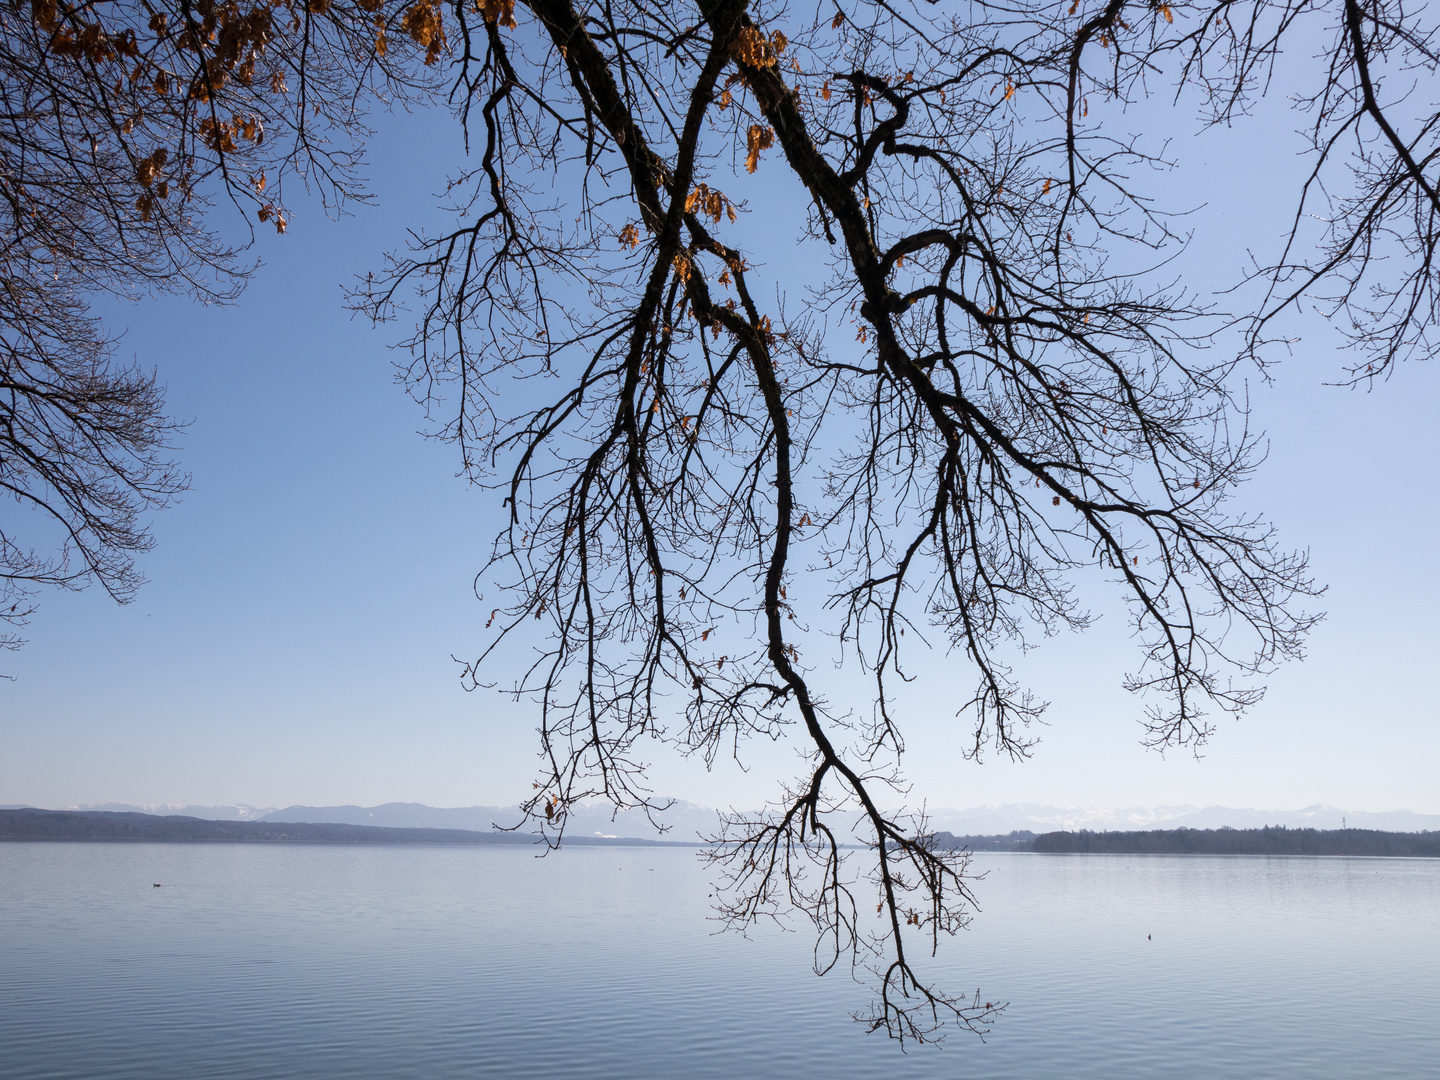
313	962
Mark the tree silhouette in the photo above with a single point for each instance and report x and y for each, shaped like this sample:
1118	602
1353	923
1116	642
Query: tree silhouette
717	484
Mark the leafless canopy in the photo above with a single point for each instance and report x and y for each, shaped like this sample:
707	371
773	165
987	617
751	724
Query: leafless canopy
121	124
718	485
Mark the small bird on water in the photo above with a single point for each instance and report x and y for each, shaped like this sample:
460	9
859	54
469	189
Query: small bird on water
157	885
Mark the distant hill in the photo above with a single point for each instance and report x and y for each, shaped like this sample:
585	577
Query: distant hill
1268	841
31	824
99	825
687	821
684	821
1265	841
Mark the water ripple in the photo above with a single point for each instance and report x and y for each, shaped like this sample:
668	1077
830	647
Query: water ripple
300	963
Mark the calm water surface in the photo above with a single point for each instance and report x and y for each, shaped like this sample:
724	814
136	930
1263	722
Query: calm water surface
263	962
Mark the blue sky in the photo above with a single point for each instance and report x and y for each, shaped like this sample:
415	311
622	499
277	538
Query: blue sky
294	642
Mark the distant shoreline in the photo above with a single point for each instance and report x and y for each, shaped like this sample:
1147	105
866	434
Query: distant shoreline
40	826
1273	840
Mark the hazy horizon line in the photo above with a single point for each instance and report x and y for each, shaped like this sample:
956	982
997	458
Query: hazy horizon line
687	804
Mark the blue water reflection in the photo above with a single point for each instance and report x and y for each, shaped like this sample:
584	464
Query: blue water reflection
295	962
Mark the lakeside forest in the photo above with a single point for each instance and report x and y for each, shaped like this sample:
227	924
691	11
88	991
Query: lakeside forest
67	825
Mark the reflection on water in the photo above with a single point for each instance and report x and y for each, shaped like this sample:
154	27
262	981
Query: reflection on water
367	962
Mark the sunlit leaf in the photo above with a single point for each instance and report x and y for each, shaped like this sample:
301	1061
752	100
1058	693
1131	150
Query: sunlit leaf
758	138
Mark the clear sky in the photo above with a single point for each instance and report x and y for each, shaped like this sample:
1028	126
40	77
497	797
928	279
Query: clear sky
294	642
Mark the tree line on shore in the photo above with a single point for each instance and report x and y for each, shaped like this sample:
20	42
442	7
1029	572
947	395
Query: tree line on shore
31	824
1271	840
